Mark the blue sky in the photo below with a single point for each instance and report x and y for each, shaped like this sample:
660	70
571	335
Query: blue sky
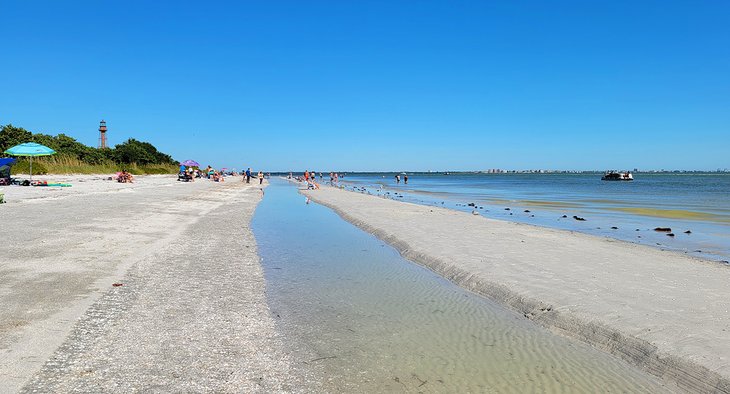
379	85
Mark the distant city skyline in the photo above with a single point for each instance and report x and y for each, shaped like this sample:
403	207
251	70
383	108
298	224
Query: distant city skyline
380	86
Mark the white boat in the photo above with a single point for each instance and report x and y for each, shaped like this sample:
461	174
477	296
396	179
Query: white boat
617	176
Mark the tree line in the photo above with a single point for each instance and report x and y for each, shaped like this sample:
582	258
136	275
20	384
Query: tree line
128	152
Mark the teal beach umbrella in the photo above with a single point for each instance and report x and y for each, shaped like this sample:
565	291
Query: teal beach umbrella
30	149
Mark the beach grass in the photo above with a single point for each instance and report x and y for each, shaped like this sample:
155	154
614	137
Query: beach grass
69	165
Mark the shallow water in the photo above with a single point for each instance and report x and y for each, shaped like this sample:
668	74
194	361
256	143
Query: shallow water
699	203
360	318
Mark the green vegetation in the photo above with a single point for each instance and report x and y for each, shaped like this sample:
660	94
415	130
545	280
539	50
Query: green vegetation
73	157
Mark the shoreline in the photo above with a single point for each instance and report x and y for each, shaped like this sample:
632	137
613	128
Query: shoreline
698	231
611	311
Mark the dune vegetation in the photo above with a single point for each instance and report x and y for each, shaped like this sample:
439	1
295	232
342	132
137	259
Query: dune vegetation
73	157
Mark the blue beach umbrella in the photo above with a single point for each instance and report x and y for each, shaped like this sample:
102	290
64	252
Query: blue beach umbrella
30	149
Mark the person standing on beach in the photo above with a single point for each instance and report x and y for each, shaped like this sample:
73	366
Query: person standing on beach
248	175
261	177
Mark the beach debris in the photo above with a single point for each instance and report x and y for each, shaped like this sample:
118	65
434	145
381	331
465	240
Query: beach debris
670	235
663	229
422	382
578	218
637	230
688	232
474	212
527	211
614	228
506	209
481	207
471	204
564	216
117	284
510	213
532	216
322	358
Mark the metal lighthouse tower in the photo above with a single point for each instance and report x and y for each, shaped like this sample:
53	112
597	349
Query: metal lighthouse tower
102	134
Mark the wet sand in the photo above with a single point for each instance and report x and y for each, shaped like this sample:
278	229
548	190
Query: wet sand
663	312
188	311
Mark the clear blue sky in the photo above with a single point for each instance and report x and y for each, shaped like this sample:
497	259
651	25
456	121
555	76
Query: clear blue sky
379	85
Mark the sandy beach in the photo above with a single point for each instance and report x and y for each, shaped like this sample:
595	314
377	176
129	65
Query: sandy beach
660	311
154	285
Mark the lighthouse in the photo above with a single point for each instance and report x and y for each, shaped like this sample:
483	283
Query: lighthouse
102	134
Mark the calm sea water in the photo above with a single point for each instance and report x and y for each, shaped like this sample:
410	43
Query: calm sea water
698	203
359	318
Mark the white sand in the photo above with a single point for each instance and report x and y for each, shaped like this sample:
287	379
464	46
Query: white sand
661	311
62	248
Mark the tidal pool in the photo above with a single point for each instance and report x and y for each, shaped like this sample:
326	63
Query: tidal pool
358	317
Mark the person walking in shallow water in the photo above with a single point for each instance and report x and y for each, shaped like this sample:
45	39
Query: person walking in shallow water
397	179
405	179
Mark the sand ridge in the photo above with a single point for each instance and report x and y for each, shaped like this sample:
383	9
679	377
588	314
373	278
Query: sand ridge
661	311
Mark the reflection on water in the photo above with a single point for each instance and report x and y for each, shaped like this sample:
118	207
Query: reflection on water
360	318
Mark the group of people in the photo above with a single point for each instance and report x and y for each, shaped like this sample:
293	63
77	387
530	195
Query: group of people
190	173
125	177
405	178
247	176
310	177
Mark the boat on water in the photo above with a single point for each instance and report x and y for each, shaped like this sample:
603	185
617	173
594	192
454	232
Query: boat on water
617	176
